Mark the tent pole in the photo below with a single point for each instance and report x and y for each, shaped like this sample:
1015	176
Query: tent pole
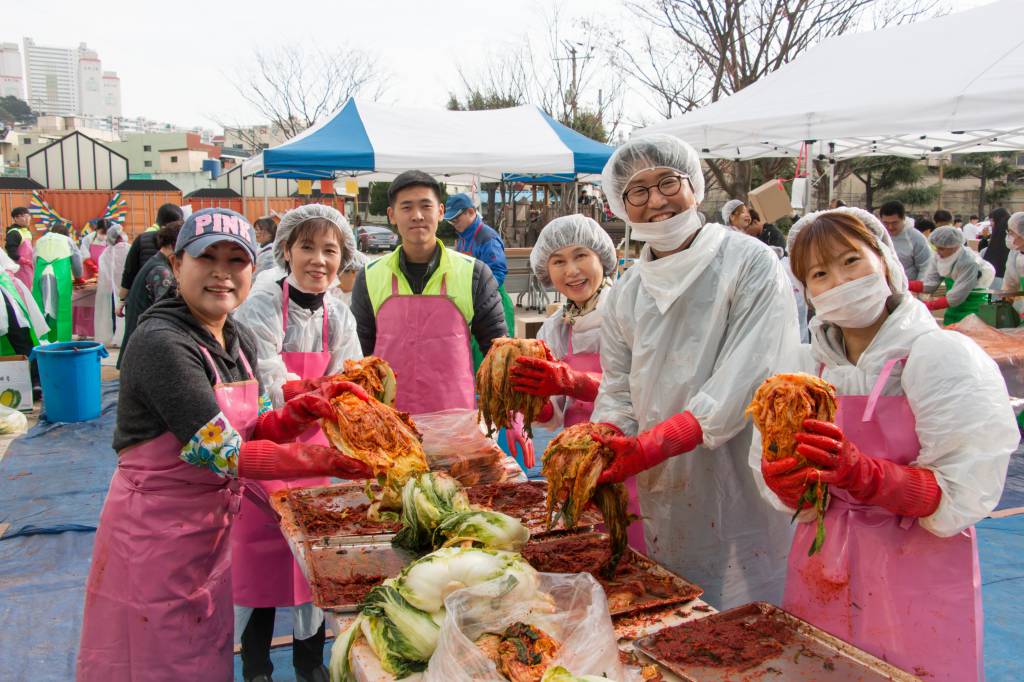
241	175
266	199
831	171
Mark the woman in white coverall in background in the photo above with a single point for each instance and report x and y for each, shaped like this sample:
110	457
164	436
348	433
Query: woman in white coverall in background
301	332
917	454
577	257
688	334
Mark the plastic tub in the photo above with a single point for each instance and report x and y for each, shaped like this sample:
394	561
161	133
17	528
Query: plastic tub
70	375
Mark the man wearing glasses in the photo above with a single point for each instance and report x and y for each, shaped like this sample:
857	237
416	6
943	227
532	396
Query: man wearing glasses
688	334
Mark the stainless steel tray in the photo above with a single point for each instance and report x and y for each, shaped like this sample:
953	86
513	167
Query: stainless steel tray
336	497
677	590
534	518
811	655
330	563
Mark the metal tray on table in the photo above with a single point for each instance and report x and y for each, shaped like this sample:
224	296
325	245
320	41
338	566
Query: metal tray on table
809	654
533	518
341	574
670	589
338	498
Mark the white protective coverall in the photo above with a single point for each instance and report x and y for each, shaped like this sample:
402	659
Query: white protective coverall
726	322
108	328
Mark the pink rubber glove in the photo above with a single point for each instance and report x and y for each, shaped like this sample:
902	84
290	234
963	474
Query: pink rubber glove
265	460
546	378
517	440
937	303
678	434
298	414
902	489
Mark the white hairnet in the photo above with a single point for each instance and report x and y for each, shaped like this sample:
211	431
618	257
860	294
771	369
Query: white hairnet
642	153
730	208
571	230
295	217
115	234
947	236
897	277
357	263
1016	223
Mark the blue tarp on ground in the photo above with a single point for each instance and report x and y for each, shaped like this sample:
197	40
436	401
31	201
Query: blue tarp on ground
56	476
1013	491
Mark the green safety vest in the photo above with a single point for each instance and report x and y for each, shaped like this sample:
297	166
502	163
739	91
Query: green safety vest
455	268
53	256
7	284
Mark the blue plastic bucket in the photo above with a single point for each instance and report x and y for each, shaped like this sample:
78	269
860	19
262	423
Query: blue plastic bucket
70	375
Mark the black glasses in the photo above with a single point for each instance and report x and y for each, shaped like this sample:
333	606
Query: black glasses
667	187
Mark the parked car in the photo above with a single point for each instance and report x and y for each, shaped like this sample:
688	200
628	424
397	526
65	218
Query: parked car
375	238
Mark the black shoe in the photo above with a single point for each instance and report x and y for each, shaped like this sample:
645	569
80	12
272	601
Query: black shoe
261	678
315	675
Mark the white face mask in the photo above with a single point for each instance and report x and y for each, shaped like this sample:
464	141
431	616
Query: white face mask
856	304
945	265
668	234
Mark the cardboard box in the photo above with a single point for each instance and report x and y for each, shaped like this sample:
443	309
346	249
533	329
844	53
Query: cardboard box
15	383
771	201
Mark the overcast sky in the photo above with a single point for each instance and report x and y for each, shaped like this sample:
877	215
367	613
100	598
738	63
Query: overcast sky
177	60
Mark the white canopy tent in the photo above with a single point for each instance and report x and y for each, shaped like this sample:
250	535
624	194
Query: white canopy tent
906	90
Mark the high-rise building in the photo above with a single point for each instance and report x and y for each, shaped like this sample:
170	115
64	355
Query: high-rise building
52	79
70	82
11	80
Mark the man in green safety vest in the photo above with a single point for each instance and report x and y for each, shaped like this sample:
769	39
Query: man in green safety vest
423	306
58	264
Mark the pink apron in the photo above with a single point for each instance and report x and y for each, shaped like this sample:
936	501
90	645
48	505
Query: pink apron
95	251
426	341
264	572
881	581
578	412
158	597
27	262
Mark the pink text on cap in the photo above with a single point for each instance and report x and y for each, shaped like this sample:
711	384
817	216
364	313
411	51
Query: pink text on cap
225	224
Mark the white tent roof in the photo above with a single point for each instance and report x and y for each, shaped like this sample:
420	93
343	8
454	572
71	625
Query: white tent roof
909	90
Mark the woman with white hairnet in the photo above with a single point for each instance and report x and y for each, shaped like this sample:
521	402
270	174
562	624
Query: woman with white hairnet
736	215
576	256
688	333
301	334
1013	277
966	275
917	454
108	328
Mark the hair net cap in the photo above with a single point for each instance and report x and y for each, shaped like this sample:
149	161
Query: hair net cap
947	236
115	234
1016	223
643	153
358	262
295	217
571	230
730	207
897	277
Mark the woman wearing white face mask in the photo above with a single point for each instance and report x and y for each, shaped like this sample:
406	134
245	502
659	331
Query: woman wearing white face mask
966	275
916	456
1013	279
687	335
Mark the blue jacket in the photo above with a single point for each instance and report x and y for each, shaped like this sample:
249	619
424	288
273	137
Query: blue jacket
486	246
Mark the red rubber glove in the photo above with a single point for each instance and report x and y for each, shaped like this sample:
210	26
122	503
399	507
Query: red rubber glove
551	377
298	414
546	413
902	489
937	303
787	479
293	389
916	286
678	434
265	460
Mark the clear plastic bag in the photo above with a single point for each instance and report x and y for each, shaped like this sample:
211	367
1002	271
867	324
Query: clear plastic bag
455	443
570	608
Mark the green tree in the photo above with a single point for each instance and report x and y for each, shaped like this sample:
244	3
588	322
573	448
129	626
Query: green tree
14	111
885	175
379	198
990	169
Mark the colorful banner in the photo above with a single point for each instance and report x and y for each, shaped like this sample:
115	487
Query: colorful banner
117	209
42	213
305	187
